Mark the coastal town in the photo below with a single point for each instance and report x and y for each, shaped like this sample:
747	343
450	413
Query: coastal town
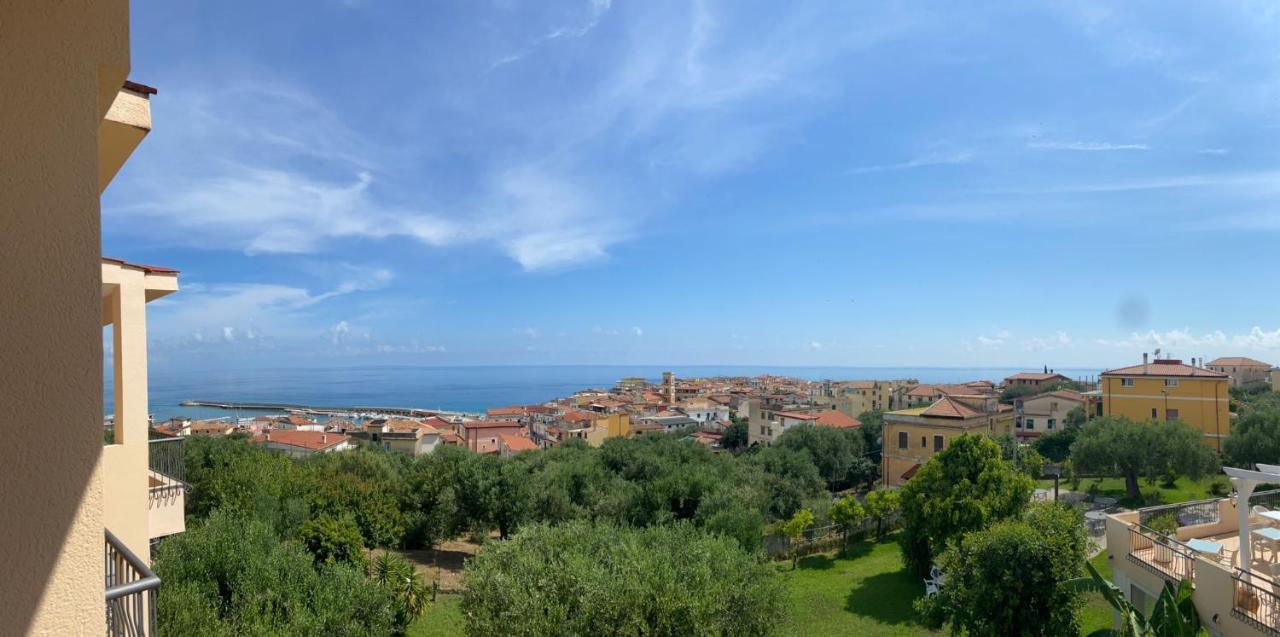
1024	405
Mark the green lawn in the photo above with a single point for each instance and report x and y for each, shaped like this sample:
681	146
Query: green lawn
441	619
1096	614
864	591
1184	490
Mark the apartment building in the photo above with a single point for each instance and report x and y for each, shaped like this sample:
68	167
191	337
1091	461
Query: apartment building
1241	370
1168	389
300	444
1035	416
1034	380
1220	545
77	514
912	436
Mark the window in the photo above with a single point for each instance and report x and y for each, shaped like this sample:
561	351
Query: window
1051	423
1171	414
1170	382
1126	382
937	443
902	440
1031	423
923	442
1153	413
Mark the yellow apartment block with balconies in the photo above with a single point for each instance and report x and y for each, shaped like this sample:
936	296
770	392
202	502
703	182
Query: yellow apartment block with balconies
77	515
1168	389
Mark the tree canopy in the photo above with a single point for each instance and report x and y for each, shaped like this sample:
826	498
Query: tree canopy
964	488
592	579
1255	437
1116	445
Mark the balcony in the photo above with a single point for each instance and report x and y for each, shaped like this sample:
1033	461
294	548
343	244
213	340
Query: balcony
130	592
166	497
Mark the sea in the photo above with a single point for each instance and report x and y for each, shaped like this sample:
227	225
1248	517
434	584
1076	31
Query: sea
470	388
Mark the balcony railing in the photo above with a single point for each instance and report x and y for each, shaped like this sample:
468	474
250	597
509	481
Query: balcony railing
1160	555
168	470
131	592
1255	602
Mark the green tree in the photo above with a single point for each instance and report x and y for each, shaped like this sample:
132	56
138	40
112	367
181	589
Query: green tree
333	539
838	454
397	576
848	513
1075	418
735	435
964	488
1056	447
1008	394
872	430
1111	445
592	579
881	505
1010	578
794	529
1255	437
1174	614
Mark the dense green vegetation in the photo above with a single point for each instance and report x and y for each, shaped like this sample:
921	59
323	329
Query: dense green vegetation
964	488
596	579
1156	449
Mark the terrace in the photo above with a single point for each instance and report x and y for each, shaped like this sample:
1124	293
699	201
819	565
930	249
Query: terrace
1229	548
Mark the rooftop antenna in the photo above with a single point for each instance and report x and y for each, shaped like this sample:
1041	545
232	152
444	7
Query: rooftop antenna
1156	354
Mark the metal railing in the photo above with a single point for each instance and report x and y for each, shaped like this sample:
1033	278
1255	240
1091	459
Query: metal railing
1255	602
130	592
168	469
1160	555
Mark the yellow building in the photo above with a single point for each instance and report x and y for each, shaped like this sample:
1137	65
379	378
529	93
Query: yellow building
1168	389
614	425
75	514
912	436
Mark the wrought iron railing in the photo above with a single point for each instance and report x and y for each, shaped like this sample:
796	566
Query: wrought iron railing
168	470
1255	602
1161	555
131	592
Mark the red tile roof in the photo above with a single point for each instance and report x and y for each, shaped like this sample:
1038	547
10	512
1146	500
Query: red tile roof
838	419
1238	361
911	473
1165	367
149	269
947	407
506	411
1034	376
516	444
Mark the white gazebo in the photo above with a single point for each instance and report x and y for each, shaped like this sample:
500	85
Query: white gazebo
1245	481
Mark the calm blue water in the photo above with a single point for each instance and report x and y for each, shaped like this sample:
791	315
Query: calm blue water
472	388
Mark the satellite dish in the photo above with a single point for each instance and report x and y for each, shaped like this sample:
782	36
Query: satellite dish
1157	354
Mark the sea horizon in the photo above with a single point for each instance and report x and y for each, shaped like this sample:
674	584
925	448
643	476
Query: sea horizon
475	388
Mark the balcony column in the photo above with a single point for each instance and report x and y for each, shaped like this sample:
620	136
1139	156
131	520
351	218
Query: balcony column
1244	490
124	475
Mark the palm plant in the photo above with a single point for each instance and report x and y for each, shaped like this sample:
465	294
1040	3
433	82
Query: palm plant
1174	614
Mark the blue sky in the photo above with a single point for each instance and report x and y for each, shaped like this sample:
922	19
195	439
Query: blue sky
376	182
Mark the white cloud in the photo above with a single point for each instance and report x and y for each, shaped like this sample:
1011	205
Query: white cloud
918	162
995	340
1085	146
815	346
1169	340
530	332
637	331
1057	340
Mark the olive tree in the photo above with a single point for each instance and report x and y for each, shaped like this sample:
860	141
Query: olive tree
1116	445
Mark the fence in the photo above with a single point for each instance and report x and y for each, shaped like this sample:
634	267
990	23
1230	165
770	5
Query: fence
130	592
168	469
824	538
1160	555
1254	602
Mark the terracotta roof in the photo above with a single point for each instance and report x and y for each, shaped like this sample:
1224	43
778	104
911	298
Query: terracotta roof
947	407
450	438
911	473
1065	394
312	440
1034	376
798	415
922	390
516	444
506	411
838	419
490	424
139	88
1237	361
1165	367
149	269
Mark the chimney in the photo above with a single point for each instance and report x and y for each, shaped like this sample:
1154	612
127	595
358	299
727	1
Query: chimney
1144	362
324	439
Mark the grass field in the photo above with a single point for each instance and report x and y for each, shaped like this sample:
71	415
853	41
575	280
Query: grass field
1096	614
863	591
1183	490
441	619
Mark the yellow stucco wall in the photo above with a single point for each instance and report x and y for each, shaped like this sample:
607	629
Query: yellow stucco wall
920	439
615	425
63	64
1201	403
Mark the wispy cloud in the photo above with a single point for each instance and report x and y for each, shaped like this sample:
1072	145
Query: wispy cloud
1085	146
919	162
595	10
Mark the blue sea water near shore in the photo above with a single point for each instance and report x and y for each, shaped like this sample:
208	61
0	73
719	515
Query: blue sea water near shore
471	388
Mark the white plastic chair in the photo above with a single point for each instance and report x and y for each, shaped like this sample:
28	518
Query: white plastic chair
930	588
